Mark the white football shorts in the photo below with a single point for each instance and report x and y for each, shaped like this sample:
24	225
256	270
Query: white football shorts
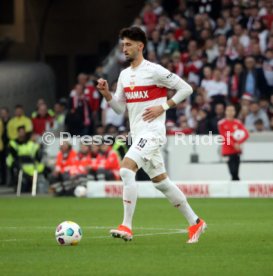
146	152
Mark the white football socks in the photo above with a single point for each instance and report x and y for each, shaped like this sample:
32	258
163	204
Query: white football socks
177	199
129	195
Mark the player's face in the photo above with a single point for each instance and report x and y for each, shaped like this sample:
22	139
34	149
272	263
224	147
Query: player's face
131	49
230	112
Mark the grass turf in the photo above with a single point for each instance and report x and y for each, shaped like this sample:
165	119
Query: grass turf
239	238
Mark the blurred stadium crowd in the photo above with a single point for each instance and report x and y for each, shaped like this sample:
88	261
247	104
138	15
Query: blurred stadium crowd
224	51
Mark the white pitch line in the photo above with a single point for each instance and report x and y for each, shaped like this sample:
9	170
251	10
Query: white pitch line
181	231
84	227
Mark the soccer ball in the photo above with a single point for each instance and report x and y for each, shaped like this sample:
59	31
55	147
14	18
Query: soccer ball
68	233
238	134
80	191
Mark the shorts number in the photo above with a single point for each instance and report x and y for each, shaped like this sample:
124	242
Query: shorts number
142	142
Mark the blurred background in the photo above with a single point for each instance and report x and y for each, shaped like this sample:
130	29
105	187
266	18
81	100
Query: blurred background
52	52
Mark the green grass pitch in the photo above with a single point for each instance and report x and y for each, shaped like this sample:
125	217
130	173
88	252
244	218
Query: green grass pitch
238	241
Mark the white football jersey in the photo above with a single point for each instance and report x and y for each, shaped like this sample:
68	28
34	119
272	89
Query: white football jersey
142	87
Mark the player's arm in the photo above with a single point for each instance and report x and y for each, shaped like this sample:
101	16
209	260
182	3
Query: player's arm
183	91
172	81
246	136
116	101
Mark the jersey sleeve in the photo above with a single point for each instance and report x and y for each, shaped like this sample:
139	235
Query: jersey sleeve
119	94
164	78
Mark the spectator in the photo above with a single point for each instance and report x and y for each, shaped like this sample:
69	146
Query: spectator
256	113
183	108
243	110
94	98
100	130
183	126
241	33
172	44
41	101
4	119
268	69
264	105
211	50
270	107
200	103
18	120
177	64
222	27
255	51
83	162
236	13
156	44
111	130
193	67
120	145
78	120
24	154
207	77
66	159
152	57
253	80
138	22
216	89
2	158
234	84
106	165
89	90
234	135
254	15
222	59
218	116
42	121
198	25
157	8
202	122
58	124
232	48
259	125
149	17
268	17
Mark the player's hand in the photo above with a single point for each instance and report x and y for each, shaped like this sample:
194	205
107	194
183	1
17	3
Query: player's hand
237	146
151	113
103	87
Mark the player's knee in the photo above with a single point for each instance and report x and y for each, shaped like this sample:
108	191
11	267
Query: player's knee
126	175
162	185
129	164
159	178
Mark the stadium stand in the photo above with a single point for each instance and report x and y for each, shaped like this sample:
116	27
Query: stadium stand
225	52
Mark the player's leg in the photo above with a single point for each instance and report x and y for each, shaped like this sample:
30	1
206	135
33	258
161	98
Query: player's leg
135	158
127	173
234	166
230	167
178	200
175	196
157	172
237	165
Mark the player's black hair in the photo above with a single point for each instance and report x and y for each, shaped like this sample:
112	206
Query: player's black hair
134	33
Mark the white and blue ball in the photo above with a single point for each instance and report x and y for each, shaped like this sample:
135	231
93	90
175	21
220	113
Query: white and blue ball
68	233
